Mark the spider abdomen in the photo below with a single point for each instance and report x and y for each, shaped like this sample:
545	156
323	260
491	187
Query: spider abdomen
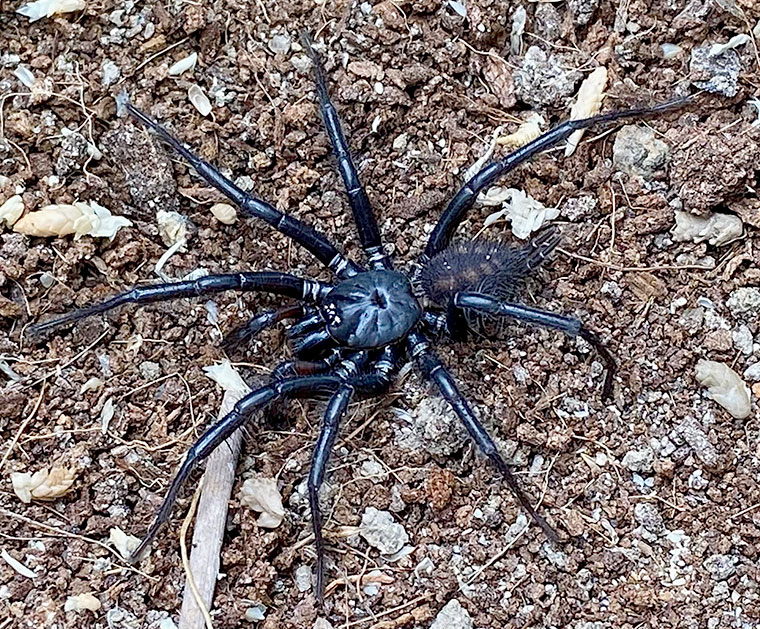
371	309
480	265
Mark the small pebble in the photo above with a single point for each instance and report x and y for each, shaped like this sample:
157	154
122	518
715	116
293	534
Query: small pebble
745	300
381	532
637	152
452	616
718	74
303	578
649	517
640	460
720	567
280	42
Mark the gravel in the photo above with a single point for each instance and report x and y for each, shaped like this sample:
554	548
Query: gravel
452	616
382	532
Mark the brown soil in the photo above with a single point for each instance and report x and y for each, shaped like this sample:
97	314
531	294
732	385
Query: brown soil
620	564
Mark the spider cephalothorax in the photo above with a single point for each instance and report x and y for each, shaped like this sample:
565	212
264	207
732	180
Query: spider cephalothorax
350	337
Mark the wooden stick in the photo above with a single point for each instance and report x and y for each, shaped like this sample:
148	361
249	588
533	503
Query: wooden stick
210	522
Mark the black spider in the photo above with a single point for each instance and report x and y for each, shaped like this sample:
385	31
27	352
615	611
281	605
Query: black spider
350	337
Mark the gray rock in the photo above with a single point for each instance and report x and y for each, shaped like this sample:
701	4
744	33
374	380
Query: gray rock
578	208
744	300
640	460
109	72
541	81
547	22
742	337
436	427
752	372
720	567
692	433
381	532
280	43
452	616
718	74
322	623
649	517
149	370
73	153
582	10
637	152
303	578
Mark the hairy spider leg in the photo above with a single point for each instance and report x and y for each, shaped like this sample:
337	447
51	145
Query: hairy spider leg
366	224
223	429
261	321
432	368
463	200
312	240
271	282
569	325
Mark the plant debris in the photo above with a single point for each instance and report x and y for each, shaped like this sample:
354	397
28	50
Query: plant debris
79	218
48	8
525	213
45	484
262	495
725	386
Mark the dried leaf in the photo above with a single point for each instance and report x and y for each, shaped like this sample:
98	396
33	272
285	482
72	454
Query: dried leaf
125	544
223	212
183	65
199	100
226	376
80	219
725	386
261	494
526	132
47	8
82	601
718	229
106	415
587	104
44	484
11	210
17	565
527	214
172	227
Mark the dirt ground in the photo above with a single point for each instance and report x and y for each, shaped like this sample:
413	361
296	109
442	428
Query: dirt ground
655	494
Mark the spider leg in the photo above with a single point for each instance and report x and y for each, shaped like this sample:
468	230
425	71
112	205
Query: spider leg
263	320
463	200
312	240
272	282
291	368
569	325
376	381
221	430
433	369
366	224
336	408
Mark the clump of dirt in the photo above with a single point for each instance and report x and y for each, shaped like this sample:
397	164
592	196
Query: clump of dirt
667	537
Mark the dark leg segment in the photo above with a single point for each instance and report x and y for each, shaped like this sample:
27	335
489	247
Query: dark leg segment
336	408
369	234
310	239
262	321
434	370
222	429
458	207
569	325
271	282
